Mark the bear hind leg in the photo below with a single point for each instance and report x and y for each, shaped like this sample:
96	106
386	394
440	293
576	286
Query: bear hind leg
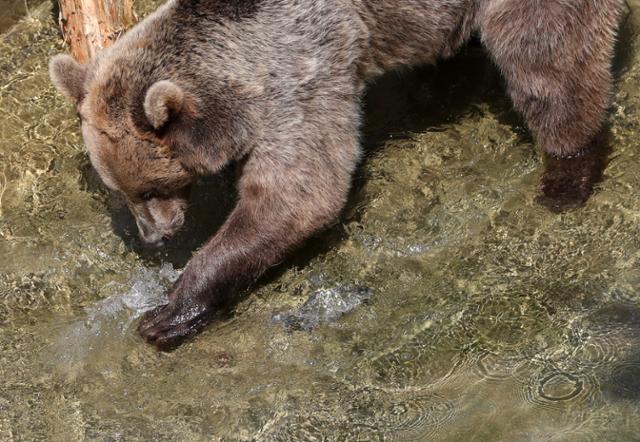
555	56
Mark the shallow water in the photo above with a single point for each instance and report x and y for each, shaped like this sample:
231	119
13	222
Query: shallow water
445	304
14	10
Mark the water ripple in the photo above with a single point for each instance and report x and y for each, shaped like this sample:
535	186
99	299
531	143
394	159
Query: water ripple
560	387
555	389
416	417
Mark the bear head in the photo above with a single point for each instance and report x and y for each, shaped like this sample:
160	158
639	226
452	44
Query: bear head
125	134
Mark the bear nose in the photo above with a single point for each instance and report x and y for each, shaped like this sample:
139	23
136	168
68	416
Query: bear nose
152	240
148	235
153	245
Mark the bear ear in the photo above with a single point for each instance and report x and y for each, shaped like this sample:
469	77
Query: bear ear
68	77
163	99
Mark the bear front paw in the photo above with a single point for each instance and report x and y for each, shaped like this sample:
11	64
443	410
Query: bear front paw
167	326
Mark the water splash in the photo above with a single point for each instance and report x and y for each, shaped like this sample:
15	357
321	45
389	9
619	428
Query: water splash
324	305
111	319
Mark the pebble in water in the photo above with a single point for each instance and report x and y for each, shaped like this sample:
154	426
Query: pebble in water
324	305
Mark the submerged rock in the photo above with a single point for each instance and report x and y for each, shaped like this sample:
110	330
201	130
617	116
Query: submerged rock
324	305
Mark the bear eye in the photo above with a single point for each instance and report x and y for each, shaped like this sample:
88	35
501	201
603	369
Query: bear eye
148	195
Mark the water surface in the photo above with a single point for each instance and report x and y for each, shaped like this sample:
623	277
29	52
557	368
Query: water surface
445	305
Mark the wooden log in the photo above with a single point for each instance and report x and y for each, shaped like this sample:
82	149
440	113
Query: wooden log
91	25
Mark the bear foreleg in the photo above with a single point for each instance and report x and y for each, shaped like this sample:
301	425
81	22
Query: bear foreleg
285	195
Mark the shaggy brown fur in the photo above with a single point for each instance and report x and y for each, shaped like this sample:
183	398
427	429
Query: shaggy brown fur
277	84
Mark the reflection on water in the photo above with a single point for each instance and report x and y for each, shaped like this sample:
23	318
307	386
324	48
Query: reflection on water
446	304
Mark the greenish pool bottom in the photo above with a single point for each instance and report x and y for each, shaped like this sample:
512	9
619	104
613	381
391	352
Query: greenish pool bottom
489	317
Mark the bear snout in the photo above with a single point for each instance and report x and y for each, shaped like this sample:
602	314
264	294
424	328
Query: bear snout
150	237
156	236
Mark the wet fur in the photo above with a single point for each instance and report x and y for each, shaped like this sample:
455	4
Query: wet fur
276	84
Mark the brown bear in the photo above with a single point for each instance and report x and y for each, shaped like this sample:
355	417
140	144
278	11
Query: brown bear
276	85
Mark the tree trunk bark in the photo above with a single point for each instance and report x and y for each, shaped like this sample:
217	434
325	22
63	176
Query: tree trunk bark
91	25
